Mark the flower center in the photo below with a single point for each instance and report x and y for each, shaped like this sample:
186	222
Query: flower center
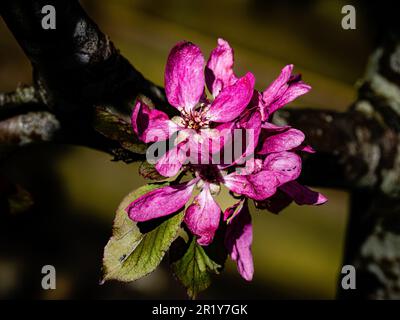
196	119
209	173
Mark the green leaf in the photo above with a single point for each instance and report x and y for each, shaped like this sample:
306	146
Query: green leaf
130	254
194	269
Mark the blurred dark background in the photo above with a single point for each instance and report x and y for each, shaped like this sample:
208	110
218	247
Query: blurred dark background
76	190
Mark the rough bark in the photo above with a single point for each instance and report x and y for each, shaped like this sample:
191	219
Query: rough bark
373	236
76	69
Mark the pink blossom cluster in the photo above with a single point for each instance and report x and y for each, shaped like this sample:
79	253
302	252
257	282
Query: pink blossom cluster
210	100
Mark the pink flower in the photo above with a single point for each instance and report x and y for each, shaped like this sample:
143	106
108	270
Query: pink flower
284	89
271	183
272	175
267	170
202	216
277	170
200	120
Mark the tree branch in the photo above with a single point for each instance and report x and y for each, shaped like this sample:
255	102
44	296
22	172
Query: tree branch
23	95
76	65
28	128
76	68
373	234
354	148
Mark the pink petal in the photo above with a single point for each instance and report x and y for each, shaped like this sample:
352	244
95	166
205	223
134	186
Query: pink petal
199	148
285	165
151	125
227	146
283	90
257	186
252	166
223	134
202	217
303	195
238	240
305	148
252	127
171	162
219	68
232	211
282	141
232	100
270	127
279	85
184	75
293	91
242	140
160	202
